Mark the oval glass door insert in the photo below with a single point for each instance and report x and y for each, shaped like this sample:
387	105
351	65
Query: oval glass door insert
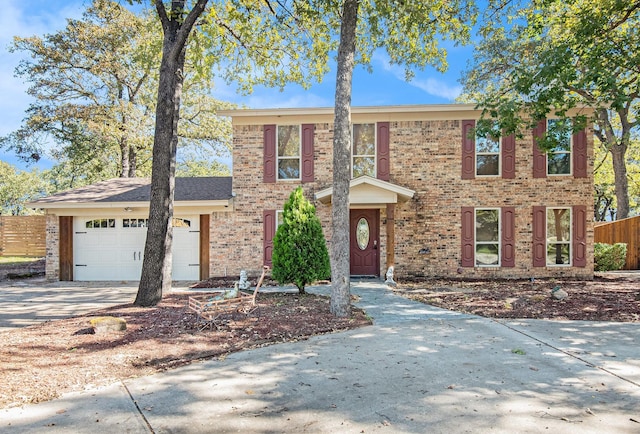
362	233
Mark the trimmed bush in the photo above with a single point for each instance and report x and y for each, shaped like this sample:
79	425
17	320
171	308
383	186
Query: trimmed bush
300	254
609	257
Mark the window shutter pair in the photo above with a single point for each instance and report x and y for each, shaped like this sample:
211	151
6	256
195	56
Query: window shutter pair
270	153
507	237
507	151
579	236
578	153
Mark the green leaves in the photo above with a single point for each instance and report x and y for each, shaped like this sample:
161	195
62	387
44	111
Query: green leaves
300	253
558	57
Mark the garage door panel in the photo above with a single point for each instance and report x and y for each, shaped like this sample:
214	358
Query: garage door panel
115	252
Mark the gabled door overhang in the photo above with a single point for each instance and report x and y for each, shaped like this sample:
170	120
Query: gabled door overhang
368	192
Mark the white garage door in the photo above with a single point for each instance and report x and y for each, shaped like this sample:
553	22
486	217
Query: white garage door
113	248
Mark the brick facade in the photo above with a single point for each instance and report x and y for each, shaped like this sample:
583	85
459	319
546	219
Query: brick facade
52	261
425	156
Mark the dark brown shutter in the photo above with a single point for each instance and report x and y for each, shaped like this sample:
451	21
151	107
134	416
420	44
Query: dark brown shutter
269	231
508	237
580	154
269	154
65	248
539	250
539	157
509	157
467	258
382	137
307	152
468	150
579	236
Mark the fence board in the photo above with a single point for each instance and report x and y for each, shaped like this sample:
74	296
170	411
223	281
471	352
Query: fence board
622	231
23	235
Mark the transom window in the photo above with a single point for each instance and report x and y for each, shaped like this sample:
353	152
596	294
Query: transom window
288	146
487	156
487	239
135	223
559	158
558	236
101	223
364	150
181	223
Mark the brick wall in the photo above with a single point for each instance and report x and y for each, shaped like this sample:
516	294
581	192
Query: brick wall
52	268
425	157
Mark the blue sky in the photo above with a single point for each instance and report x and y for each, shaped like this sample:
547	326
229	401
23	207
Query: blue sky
385	86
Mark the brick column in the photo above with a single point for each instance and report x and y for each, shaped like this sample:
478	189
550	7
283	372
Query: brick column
391	237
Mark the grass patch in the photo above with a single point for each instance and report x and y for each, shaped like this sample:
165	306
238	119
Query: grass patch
17	260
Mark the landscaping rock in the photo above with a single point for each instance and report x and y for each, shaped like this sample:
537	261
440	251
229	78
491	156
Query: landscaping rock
108	324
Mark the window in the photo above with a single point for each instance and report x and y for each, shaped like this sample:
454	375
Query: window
364	150
487	156
180	223
279	218
100	223
487	237
559	158
135	223
288	146
558	236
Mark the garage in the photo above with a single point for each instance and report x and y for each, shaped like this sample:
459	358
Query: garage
98	232
112	248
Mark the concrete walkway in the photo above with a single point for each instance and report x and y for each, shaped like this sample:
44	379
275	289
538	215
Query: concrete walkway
417	369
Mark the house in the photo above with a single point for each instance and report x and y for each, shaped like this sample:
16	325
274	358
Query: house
426	197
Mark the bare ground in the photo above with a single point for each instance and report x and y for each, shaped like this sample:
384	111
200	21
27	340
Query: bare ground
41	362
609	297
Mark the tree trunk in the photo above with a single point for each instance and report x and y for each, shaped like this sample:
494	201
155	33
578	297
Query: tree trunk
618	148
340	281
618	154
133	161
156	266
124	157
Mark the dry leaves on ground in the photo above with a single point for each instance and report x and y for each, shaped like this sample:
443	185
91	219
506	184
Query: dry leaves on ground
602	299
41	362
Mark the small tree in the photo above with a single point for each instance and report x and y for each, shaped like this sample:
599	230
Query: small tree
300	254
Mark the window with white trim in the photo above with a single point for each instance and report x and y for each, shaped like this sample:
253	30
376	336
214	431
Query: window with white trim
100	223
559	158
364	150
135	223
279	218
289	150
487	237
487	156
558	236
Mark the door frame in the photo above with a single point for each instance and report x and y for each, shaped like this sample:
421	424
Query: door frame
373	247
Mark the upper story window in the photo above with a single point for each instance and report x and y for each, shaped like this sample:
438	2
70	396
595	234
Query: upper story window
558	236
487	156
559	158
100	223
487	237
288	146
364	150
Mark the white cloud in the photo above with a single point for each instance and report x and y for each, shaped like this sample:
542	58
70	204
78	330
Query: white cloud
430	85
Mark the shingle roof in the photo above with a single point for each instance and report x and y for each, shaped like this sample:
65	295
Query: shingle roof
139	190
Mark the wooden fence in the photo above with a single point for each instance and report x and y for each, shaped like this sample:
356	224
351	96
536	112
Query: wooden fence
622	231
23	235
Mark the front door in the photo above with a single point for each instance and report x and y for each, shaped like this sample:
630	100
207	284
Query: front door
364	242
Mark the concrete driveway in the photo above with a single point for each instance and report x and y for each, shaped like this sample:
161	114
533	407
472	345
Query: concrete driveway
31	301
417	369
